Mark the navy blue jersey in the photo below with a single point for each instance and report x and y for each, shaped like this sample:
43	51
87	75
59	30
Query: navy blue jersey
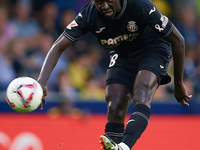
139	25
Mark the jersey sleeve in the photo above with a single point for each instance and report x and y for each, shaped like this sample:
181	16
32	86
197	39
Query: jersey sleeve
157	21
78	27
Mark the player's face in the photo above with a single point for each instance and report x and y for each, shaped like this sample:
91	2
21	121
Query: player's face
109	8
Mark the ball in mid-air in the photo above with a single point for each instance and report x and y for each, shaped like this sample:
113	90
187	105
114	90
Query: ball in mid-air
24	94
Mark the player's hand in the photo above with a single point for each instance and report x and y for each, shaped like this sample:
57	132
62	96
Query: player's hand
44	88
181	94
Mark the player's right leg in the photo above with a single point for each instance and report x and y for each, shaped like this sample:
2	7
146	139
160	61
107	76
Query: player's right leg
109	144
118	99
119	85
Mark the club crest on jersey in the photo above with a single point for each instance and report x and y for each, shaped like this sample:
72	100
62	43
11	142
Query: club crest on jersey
132	27
72	24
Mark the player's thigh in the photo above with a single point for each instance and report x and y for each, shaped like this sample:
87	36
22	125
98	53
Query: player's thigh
120	76
118	94
119	85
146	83
121	71
156	61
152	72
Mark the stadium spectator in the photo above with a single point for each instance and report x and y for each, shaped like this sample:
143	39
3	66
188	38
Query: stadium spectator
7	73
190	66
7	34
93	90
193	109
27	27
164	7
66	17
197	65
187	26
198	6
17	52
79	71
7	29
65	87
48	19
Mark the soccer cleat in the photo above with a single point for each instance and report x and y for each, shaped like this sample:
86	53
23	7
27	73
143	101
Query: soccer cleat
108	144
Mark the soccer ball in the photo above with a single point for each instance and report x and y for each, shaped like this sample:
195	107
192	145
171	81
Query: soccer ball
24	94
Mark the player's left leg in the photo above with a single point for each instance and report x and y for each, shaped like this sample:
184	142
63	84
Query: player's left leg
153	66
145	86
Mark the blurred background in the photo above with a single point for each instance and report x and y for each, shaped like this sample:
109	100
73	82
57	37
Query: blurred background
28	29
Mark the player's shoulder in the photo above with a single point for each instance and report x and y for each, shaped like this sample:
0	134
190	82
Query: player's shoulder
88	11
142	4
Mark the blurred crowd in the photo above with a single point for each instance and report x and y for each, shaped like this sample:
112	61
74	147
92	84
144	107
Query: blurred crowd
28	29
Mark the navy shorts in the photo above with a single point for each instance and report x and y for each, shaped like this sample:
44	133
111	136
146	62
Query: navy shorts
123	70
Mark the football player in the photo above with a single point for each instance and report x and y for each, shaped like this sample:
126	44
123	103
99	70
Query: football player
142	42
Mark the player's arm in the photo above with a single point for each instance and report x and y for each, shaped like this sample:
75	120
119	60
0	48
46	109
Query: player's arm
164	27
178	50
50	61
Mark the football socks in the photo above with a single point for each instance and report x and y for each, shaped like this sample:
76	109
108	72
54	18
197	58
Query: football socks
115	131
136	124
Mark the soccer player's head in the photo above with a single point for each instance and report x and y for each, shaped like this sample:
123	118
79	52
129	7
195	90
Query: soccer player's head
109	8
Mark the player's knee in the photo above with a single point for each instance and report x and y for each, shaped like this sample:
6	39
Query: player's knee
144	94
146	102
117	106
116	113
142	99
